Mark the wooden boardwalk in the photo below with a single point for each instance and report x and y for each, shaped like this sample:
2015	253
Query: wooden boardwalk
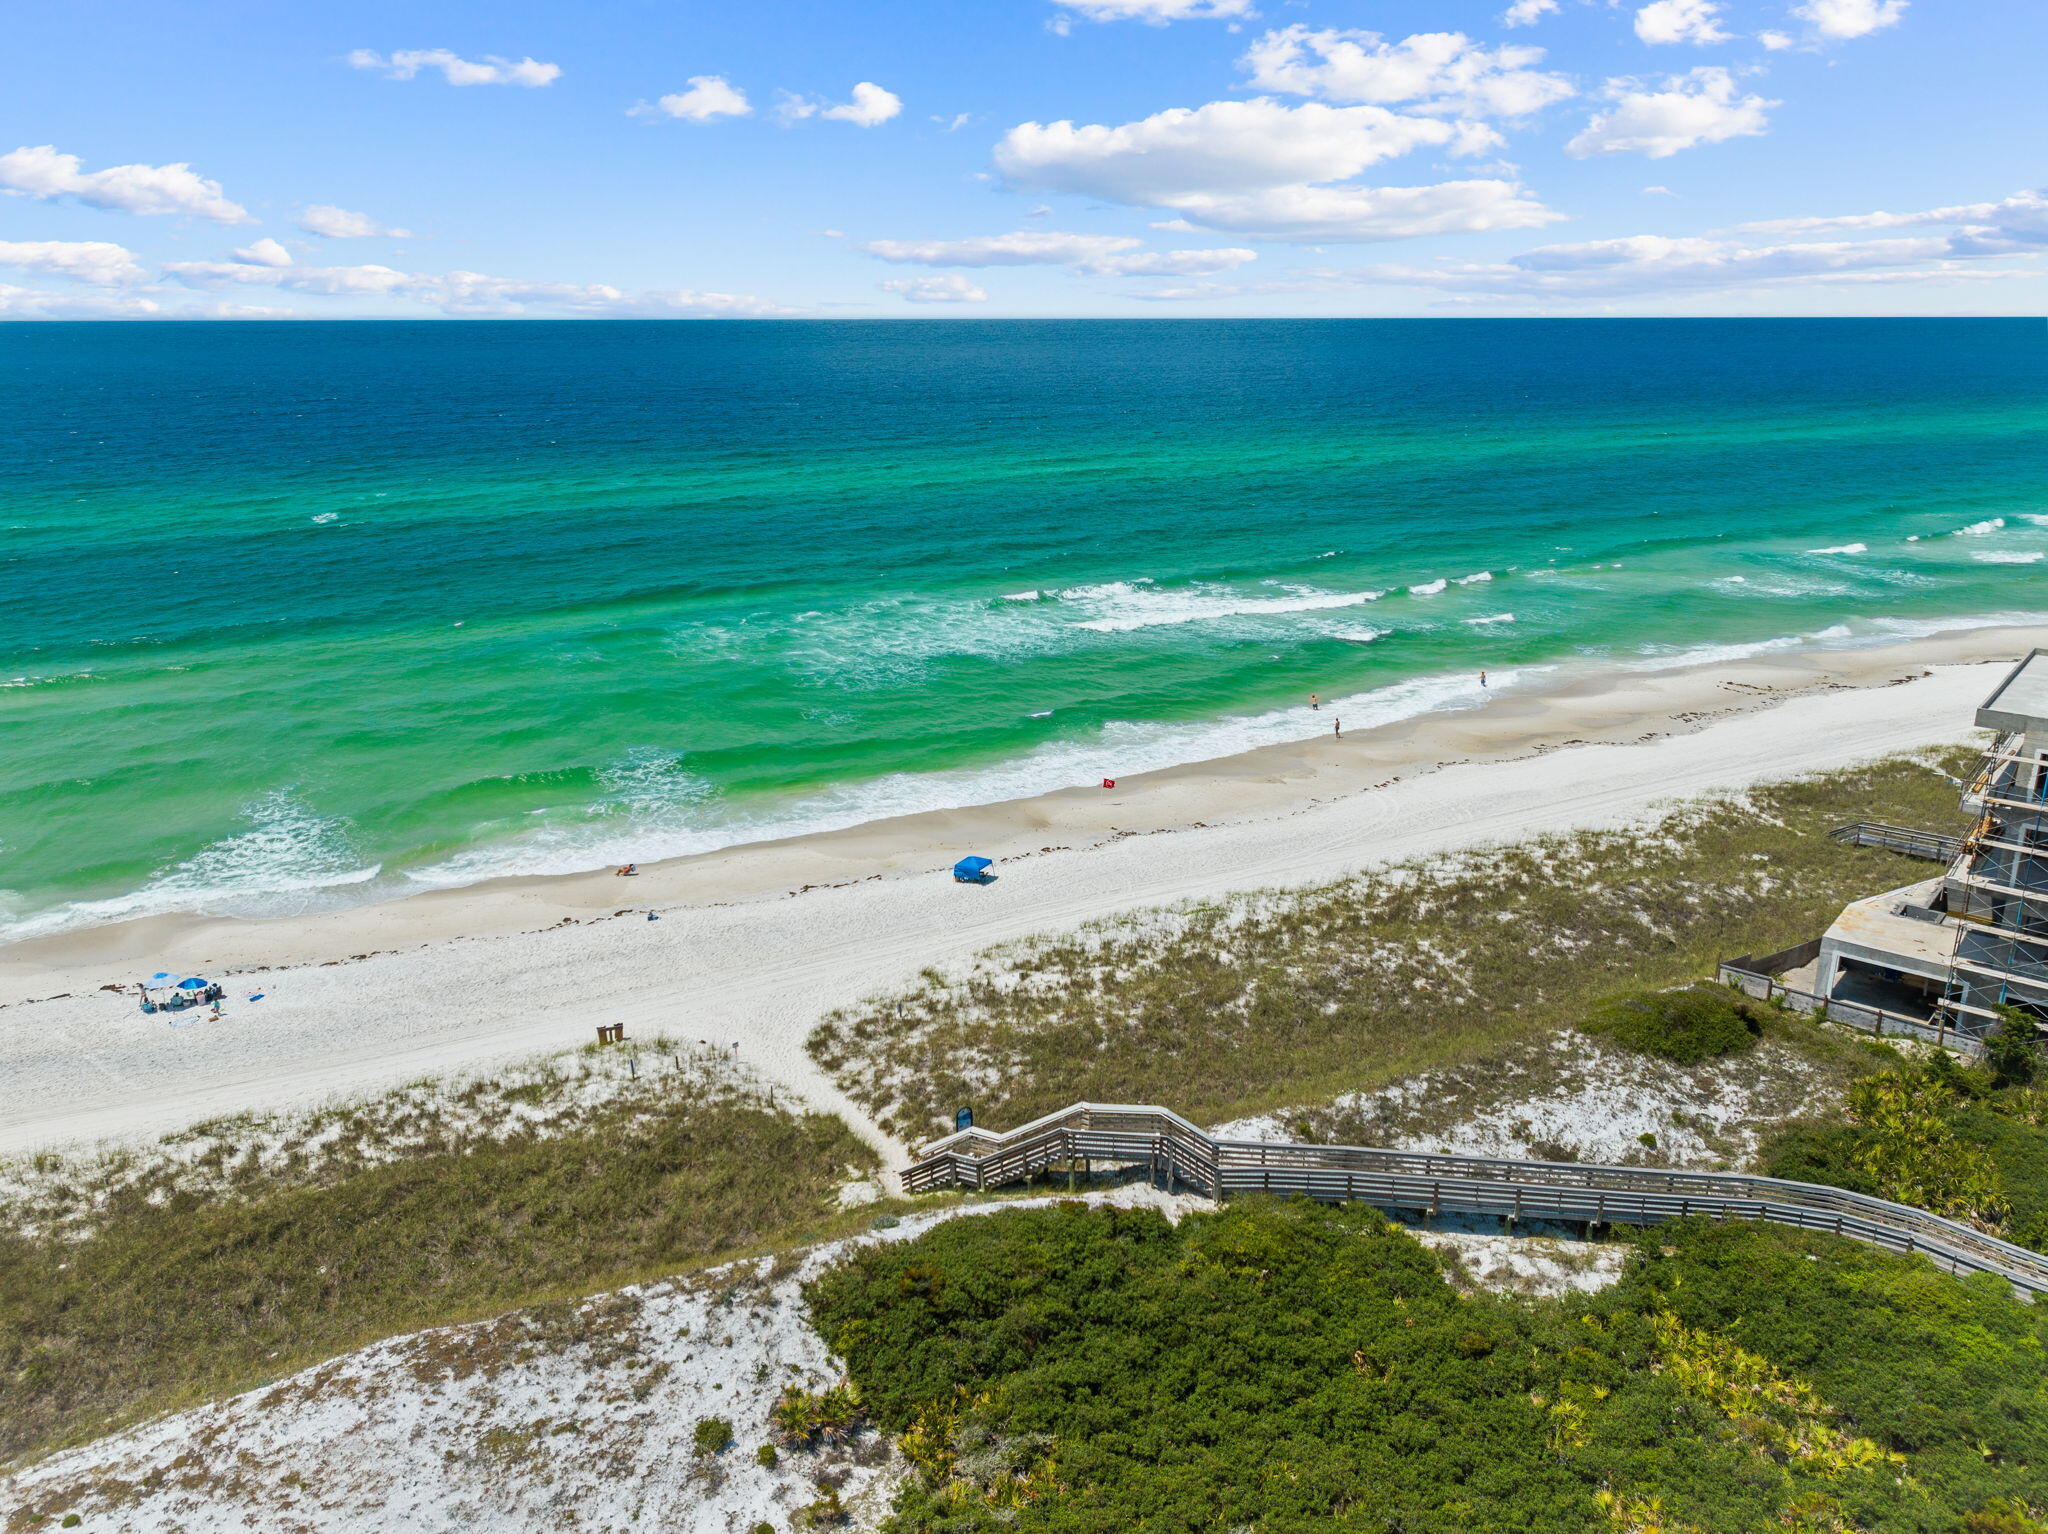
1931	845
1177	1151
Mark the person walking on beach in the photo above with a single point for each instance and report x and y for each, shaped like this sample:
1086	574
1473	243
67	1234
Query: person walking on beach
1340	728
1482	679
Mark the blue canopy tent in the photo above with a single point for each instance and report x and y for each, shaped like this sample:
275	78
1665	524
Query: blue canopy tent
971	871
165	992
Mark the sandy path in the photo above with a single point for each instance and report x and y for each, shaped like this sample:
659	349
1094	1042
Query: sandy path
760	973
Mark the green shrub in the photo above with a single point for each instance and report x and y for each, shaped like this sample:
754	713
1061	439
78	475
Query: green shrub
766	1457
1937	1135
827	1512
1818	1153
802	1416
1297	1367
1701	1022
2013	1049
713	1435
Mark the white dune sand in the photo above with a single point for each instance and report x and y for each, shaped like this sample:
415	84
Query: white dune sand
755	944
537	1421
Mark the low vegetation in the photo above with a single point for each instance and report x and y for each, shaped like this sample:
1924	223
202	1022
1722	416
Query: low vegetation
161	1280
1967	1142
1685	1026
1282	1367
1241	1006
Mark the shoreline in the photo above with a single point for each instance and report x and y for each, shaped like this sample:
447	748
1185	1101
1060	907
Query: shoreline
456	981
1596	706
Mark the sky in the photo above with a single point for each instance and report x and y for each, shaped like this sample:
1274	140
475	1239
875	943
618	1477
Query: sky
919	158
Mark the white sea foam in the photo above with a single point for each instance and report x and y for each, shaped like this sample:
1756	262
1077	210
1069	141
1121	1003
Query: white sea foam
291	860
1843	548
1359	635
327	516
2008	557
1476	578
2035	518
1859	634
1781	586
1494	618
1150	607
1021	596
1979	529
1428	588
1117	749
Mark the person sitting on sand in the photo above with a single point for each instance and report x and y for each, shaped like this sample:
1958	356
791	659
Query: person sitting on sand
627	870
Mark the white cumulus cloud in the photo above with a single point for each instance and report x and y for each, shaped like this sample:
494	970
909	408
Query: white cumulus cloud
44	304
1314	215
949	289
98	262
1224	147
40	171
471	293
709	97
1644	264
330	222
1439	72
264	252
1681	21
1838	19
1702	106
868	107
456	70
2013	225
1111	255
1261	168
1526	13
1155	13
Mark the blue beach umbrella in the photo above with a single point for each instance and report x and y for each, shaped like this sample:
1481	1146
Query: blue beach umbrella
194	983
970	868
162	977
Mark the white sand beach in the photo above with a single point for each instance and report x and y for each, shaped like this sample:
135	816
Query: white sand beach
754	944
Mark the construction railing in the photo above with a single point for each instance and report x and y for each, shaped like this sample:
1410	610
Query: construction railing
1176	1151
1919	844
1758	977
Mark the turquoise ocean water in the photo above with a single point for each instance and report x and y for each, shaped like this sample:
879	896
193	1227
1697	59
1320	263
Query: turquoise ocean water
299	615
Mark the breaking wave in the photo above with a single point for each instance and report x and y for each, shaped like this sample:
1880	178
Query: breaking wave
290	861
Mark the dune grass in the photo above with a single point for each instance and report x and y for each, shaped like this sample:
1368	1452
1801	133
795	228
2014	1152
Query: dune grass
1286	997
154	1282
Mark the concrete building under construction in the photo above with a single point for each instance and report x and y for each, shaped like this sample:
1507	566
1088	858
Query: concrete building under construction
1951	950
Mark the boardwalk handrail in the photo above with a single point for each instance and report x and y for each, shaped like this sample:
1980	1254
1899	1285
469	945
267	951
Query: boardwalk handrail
1556	1190
1914	843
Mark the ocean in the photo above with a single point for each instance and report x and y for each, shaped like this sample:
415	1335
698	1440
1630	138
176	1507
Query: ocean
299	615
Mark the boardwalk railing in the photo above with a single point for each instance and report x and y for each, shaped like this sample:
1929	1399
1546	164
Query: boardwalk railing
1172	1148
1918	844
